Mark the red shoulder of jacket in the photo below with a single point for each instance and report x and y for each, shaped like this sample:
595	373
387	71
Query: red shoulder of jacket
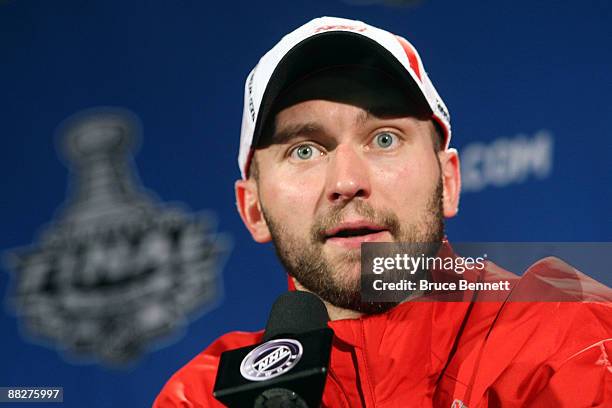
192	385
548	345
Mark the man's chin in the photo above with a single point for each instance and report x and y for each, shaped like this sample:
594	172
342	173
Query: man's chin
341	259
347	273
345	292
340	285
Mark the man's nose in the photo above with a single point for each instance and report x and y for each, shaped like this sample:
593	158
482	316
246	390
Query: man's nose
347	175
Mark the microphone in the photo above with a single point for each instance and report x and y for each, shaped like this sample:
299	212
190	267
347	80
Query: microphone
289	368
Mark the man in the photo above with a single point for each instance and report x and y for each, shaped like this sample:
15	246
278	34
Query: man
346	141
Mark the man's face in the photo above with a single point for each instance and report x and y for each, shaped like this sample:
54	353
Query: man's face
347	160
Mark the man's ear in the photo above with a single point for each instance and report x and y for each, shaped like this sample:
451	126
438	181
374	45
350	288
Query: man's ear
451	181
249	207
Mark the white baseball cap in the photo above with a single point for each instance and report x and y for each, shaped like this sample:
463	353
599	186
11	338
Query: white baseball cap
323	43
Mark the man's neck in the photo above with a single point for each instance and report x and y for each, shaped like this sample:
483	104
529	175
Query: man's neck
334	312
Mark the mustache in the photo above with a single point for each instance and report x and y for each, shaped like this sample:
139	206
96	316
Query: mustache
336	215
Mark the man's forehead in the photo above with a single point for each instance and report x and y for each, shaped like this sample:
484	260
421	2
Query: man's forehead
372	90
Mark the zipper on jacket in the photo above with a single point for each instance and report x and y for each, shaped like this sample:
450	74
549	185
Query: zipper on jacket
366	384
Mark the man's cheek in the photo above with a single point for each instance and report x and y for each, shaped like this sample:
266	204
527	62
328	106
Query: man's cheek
398	171
299	194
292	208
397	185
416	178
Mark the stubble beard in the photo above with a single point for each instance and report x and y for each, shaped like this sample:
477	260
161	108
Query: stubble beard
339	285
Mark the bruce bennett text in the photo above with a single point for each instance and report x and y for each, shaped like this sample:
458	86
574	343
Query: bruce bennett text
426	285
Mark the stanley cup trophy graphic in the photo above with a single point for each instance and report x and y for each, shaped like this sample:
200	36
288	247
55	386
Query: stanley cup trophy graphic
117	269
98	148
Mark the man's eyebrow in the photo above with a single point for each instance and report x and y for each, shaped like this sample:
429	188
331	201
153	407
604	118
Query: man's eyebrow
290	132
362	117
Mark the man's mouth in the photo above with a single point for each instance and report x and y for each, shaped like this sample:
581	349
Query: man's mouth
352	234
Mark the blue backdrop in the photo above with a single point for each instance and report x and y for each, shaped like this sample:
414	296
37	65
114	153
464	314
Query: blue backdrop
527	84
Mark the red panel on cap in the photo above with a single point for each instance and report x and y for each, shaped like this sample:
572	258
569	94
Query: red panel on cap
410	53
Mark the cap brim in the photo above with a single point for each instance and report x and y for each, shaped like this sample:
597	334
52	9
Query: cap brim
331	49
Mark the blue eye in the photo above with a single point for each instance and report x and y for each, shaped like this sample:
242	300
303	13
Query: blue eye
385	139
305	152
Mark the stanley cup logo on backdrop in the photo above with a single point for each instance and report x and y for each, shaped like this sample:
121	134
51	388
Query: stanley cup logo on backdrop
117	269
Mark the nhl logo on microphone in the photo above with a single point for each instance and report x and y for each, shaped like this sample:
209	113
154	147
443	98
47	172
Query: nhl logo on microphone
271	359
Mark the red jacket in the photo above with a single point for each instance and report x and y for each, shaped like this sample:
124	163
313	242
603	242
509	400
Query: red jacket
512	353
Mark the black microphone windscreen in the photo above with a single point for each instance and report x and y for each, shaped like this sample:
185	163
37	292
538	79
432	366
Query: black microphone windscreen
296	312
